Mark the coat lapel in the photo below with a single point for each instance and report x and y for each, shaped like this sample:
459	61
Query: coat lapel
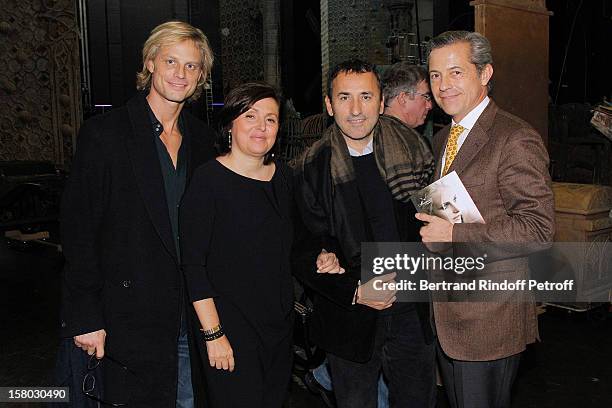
145	164
470	148
191	159
476	139
438	148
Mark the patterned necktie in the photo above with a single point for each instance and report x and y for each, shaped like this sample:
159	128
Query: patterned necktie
451	146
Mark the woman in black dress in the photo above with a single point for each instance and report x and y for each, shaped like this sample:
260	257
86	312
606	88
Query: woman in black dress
236	236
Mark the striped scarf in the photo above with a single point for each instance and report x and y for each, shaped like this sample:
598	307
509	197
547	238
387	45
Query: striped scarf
403	158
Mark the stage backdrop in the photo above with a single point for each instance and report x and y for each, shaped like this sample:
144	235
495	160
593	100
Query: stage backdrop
40	83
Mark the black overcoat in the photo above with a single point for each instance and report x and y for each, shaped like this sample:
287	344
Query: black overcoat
122	272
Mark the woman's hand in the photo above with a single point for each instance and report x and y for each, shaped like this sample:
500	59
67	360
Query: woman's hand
220	354
327	262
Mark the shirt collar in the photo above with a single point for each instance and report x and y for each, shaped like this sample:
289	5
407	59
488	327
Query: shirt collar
367	150
158	128
470	119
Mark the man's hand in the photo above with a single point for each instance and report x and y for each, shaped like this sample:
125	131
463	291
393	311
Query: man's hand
92	342
436	229
220	354
327	262
377	299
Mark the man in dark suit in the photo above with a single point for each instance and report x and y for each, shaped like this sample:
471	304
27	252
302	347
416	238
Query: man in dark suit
503	164
353	186
124	299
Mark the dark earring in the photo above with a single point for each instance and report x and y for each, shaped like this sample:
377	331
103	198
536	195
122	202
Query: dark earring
229	139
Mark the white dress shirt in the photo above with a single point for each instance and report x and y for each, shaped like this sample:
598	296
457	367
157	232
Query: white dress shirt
468	123
367	150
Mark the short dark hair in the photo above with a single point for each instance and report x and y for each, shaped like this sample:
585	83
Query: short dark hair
239	100
355	66
402	77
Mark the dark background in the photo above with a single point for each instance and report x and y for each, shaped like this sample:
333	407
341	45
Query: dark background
580	35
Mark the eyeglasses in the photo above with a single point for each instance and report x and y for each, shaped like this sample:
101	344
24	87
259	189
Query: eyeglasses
426	96
89	381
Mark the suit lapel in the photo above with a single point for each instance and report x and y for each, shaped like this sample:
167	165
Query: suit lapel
145	164
470	148
475	140
438	148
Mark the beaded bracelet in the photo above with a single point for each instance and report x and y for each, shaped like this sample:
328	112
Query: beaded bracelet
212	330
218	334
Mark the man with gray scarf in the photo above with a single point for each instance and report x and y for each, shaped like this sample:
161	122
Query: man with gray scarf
353	186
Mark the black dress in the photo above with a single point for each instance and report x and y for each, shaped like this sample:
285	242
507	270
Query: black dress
236	236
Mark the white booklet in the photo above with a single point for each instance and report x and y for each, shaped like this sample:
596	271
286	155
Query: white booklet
447	198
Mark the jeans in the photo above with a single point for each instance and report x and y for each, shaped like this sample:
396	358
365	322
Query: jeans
404	358
321	374
184	390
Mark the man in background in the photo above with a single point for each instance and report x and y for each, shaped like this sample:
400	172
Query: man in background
406	92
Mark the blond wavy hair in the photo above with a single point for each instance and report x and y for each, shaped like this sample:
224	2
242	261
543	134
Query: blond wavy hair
173	32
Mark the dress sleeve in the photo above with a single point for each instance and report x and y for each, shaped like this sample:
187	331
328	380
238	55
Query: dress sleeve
197	216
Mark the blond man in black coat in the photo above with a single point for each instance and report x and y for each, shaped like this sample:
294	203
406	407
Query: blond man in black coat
124	301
